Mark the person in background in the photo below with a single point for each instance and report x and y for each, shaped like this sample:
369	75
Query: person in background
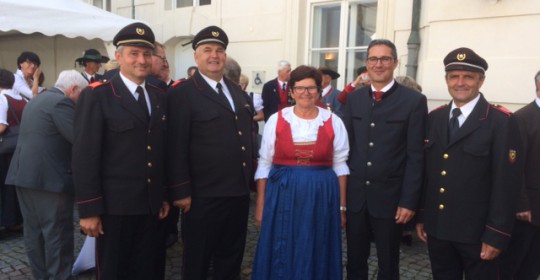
301	179
27	75
522	259
473	161
118	158
386	126
191	70
210	160
275	93
329	93
41	172
256	98
91	61
409	227
11	108
362	79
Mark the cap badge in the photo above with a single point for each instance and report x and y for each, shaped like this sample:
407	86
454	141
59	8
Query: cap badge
215	34
461	56
512	154
139	31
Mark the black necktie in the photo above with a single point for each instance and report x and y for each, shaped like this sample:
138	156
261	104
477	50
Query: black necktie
142	100
222	94
453	125
92	79
284	87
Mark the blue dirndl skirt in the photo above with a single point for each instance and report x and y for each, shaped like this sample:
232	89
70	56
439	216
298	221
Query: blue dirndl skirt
300	234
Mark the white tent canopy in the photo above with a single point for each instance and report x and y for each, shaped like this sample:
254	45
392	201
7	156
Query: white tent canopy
70	18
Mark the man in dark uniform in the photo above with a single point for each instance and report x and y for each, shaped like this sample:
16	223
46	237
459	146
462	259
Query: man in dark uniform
118	155
91	61
386	126
471	178
274	93
522	259
209	161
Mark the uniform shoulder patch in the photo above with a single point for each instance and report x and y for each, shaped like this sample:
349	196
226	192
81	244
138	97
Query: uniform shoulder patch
96	84
440	107
502	109
177	82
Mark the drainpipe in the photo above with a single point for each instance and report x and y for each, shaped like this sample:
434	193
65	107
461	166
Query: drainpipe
413	44
133	9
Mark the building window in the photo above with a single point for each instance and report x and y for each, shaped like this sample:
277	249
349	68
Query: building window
102	4
191	3
341	32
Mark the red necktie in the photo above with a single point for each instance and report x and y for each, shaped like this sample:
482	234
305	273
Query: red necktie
377	95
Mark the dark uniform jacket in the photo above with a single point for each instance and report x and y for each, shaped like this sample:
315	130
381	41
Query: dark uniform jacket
528	119
386	157
118	153
472	181
210	147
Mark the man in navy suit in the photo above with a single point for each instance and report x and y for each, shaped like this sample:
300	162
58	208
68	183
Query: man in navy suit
386	125
118	154
41	171
275	92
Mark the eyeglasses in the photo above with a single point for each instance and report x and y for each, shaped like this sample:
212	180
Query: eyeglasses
162	57
385	60
312	89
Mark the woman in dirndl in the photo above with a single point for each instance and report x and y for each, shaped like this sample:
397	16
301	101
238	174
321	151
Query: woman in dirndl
301	181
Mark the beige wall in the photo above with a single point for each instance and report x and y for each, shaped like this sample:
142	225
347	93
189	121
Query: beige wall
262	32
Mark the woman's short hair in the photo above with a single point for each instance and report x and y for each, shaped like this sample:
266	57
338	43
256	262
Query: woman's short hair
304	72
30	56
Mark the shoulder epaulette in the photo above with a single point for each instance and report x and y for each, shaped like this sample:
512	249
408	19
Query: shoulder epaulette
440	107
96	84
177	82
502	109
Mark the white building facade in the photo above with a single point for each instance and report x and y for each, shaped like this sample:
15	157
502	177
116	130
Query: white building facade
336	34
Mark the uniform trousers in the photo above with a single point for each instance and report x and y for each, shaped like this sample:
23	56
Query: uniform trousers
521	261
450	260
127	249
215	230
387	236
48	232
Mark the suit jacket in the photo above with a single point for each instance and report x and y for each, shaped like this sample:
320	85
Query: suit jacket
210	147
528	119
271	98
42	159
118	153
97	77
471	183
386	159
330	102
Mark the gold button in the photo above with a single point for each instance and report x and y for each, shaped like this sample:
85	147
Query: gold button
441	206
149	180
149	147
443	173
244	164
445	156
243	148
149	164
239	132
442	190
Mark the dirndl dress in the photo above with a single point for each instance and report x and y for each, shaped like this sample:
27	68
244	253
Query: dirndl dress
300	235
